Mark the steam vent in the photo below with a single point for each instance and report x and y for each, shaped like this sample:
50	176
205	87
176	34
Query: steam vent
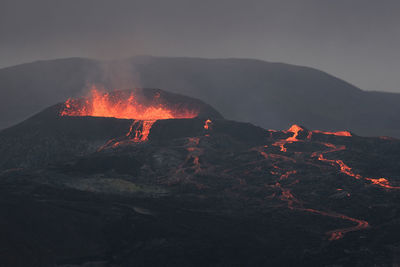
145	177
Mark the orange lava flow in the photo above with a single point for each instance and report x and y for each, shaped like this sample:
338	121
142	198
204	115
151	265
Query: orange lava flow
138	132
100	104
125	105
339	233
296	204
142	131
295	129
345	169
383	182
341	133
207	124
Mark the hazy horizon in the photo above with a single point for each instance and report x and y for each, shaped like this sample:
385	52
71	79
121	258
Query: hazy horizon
354	41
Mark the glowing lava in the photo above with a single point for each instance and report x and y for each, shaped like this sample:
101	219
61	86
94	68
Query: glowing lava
341	133
345	169
124	105
207	124
382	182
190	166
127	105
142	130
295	129
294	203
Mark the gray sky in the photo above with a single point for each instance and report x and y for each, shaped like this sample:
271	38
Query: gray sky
356	40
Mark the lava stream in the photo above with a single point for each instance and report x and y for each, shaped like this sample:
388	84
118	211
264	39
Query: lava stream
383	182
339	233
345	169
127	105
142	131
295	129
341	133
296	204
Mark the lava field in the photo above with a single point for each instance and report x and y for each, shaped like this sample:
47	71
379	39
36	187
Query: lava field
152	178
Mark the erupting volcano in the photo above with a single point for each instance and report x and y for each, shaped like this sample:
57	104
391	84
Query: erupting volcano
144	107
156	160
129	104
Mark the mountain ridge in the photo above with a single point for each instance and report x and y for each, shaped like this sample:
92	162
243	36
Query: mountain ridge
271	95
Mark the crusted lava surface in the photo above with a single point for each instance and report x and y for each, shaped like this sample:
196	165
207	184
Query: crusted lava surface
198	191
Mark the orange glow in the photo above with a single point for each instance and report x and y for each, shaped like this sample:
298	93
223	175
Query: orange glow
345	169
142	131
126	105
287	174
207	124
341	133
383	182
339	233
122	106
296	204
295	129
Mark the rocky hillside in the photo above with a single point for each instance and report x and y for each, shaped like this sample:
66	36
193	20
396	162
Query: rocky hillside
197	192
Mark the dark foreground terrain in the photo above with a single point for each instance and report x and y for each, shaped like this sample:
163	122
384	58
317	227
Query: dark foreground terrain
197	193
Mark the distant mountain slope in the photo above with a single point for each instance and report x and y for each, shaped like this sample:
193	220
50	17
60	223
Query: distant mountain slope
272	95
275	95
28	88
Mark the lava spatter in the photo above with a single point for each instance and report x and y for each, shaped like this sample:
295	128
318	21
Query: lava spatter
126	105
123	105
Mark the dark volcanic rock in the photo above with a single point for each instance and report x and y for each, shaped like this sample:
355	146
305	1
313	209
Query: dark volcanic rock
230	195
165	130
48	137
